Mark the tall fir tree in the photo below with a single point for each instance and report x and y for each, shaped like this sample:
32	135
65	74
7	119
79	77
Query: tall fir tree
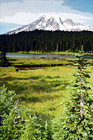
76	123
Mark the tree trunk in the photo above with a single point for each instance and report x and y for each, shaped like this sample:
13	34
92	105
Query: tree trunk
82	100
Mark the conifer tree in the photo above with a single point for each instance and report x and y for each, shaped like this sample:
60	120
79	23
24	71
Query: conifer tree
76	123
4	61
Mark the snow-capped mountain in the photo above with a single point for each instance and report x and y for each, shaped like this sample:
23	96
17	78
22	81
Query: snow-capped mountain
52	23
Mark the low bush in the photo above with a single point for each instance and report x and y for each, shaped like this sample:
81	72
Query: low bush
18	123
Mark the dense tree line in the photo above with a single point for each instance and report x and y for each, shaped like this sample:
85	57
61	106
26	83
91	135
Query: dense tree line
47	41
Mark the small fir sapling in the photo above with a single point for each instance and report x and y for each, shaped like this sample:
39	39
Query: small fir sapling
76	123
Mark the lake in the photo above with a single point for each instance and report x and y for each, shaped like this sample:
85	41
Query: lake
25	55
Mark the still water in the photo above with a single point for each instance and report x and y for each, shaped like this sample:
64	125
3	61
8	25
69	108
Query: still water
24	55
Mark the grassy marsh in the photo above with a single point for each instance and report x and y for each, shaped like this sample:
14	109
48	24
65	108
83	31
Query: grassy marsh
41	89
55	52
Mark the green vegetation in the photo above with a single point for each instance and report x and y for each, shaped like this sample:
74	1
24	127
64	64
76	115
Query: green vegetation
40	61
41	90
18	123
76	121
4	62
47	41
55	52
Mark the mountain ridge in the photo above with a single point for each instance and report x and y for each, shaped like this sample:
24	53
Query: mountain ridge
52	23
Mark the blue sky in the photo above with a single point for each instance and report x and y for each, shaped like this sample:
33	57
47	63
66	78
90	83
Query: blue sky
80	5
21	12
5	27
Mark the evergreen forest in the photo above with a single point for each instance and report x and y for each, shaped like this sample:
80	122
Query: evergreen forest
47	41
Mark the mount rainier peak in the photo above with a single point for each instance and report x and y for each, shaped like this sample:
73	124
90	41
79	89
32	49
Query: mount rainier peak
52	23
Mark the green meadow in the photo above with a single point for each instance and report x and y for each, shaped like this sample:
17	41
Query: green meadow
43	88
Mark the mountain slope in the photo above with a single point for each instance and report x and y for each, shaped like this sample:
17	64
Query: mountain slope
52	24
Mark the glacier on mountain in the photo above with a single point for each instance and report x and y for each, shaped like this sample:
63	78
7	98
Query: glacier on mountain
52	23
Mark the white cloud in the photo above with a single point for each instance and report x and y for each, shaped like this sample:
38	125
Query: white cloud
8	1
21	18
33	6
30	10
27	18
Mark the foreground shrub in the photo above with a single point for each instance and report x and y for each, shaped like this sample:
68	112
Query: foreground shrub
24	126
18	123
12	125
36	128
7	99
